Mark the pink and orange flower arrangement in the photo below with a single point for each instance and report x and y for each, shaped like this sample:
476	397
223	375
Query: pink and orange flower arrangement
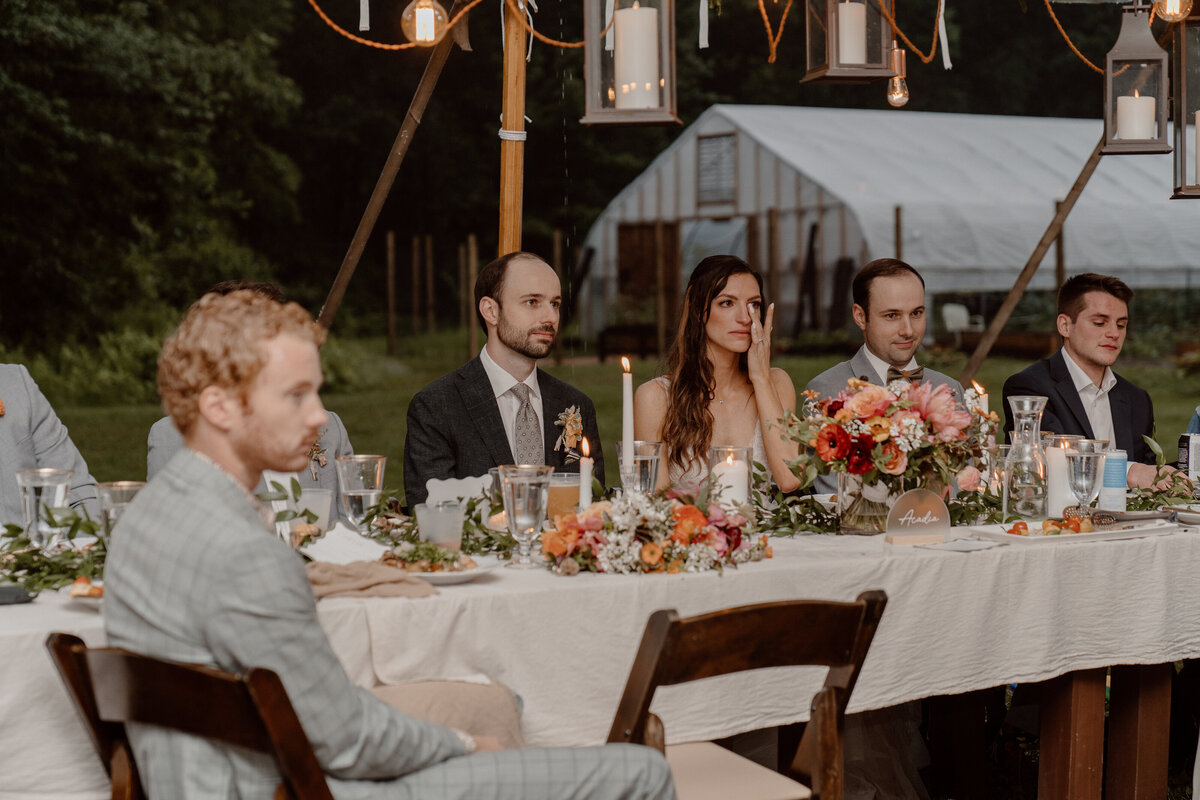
902	434
638	533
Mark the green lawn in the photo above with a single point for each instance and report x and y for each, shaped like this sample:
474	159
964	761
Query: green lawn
113	439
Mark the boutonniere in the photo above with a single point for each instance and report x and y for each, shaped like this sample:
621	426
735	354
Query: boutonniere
316	455
571	423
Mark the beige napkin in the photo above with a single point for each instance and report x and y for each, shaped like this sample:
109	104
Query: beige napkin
364	579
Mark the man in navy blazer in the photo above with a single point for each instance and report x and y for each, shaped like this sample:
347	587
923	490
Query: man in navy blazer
1085	396
464	423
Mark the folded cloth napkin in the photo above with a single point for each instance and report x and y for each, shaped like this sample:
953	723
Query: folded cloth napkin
364	579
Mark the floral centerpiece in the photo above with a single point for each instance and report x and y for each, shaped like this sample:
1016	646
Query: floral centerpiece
636	533
886	439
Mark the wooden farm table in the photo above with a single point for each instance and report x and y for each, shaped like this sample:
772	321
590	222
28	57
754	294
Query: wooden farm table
1059	612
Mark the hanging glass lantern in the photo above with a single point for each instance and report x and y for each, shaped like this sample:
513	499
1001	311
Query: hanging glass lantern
849	41
629	62
1185	84
1135	88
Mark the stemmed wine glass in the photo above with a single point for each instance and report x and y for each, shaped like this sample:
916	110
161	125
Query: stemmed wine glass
1083	475
360	478
526	491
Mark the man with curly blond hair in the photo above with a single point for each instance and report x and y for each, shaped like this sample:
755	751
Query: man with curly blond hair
196	575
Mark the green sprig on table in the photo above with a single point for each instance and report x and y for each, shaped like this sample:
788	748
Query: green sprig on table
36	570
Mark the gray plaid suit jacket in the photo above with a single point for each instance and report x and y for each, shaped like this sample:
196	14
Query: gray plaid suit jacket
31	435
834	380
195	575
455	429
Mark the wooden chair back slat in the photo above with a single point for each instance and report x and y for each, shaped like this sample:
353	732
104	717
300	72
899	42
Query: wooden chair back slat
766	635
113	687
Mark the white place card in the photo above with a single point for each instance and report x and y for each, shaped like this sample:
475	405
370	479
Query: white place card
341	545
918	517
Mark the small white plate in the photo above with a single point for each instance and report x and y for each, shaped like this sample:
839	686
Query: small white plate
443	578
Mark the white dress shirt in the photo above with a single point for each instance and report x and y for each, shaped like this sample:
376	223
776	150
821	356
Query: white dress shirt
506	401
881	366
1094	398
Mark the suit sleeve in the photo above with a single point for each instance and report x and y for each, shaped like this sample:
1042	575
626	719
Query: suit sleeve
428	450
52	447
265	616
1145	453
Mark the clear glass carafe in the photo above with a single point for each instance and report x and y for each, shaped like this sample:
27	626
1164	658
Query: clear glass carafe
1025	465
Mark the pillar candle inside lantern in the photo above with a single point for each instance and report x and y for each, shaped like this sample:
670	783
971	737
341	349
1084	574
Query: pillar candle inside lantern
852	33
635	57
1135	116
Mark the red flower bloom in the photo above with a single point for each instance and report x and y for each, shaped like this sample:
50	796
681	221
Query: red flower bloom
833	442
834	407
859	461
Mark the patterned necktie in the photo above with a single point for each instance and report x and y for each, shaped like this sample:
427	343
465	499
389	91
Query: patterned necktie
528	447
913	375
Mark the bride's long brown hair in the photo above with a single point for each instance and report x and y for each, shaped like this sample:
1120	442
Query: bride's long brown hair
687	427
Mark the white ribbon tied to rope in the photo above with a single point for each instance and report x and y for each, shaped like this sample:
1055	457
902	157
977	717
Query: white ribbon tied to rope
364	15
703	43
943	40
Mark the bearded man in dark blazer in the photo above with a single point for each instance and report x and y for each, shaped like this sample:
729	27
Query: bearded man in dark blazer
1085	396
500	408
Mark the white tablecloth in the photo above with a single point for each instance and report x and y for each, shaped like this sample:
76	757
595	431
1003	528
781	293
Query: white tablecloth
954	622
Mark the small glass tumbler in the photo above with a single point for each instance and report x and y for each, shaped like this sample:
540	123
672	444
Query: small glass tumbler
43	490
639	467
361	482
114	496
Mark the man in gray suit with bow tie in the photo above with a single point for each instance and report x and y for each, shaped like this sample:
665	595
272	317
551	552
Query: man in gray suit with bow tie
499	408
196	575
889	308
31	435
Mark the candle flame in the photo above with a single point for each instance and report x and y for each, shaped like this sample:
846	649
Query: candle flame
583	448
729	459
625	363
635	4
978	388
1135	93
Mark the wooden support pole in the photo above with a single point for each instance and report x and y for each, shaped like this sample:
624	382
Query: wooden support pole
416	285
899	234
1071	761
512	120
1060	257
391	293
472	276
773	255
1139	727
1039	252
416	109
464	291
429	321
660	289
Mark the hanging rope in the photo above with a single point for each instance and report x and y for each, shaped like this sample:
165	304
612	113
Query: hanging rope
773	37
1067	38
937	18
383	45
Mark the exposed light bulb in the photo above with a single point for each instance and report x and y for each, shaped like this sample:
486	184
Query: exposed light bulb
897	91
424	22
1172	10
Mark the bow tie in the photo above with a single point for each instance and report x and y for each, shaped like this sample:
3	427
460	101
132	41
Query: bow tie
913	375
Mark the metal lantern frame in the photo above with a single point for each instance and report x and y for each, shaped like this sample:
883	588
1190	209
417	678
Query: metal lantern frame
599	68
1137	50
823	56
1185	104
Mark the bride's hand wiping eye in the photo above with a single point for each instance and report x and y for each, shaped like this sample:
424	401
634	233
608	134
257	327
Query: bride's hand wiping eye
759	356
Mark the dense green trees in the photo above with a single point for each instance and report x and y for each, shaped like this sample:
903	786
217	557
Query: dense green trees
151	148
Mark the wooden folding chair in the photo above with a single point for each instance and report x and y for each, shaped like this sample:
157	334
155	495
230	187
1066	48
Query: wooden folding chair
112	687
791	633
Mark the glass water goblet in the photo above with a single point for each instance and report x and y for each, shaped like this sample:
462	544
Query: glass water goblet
360	479
639	468
526	492
1083	476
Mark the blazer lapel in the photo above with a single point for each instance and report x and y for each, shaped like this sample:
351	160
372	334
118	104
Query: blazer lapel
476	392
1065	387
860	365
1118	404
553	404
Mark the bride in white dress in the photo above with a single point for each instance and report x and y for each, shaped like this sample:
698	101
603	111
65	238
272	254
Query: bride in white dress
720	388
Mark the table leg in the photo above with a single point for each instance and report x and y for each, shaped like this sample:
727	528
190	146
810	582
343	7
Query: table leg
1139	727
1071	761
